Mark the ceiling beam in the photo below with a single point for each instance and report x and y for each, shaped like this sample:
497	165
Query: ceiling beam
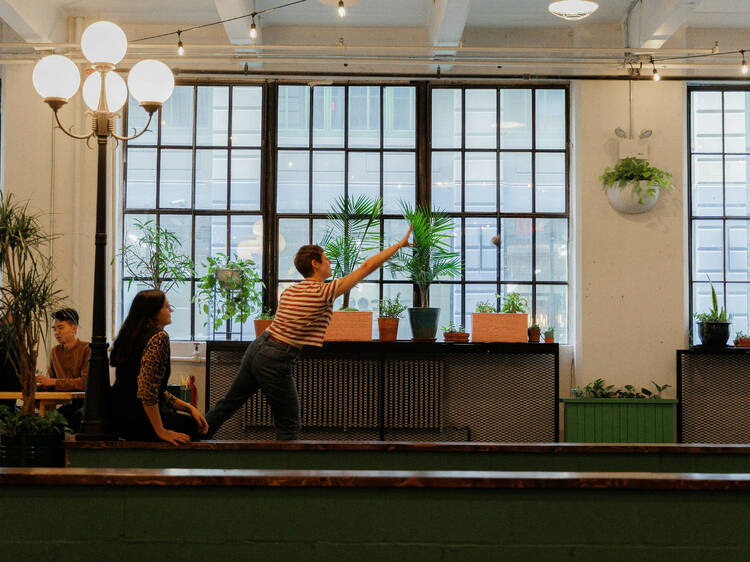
448	21
238	31
652	22
35	22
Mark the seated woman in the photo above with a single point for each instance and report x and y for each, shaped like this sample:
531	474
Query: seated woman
142	409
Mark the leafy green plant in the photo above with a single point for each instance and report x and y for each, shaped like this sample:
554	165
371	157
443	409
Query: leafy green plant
14	423
353	230
534	326
266	314
452	328
514	303
485	307
631	171
715	314
600	389
392	308
28	294
155	258
237	297
431	257
549	332
739	335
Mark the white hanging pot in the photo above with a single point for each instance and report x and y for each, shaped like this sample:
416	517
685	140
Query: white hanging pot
625	200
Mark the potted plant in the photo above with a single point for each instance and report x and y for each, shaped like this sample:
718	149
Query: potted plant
534	333
27	298
390	310
644	181
453	333
713	326
353	230
233	296
601	413
263	321
508	325
741	339
155	258
549	335
430	258
30	440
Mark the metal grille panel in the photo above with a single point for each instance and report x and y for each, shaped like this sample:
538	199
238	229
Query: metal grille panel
714	398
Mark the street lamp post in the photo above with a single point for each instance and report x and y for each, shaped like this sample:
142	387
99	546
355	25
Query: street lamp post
56	78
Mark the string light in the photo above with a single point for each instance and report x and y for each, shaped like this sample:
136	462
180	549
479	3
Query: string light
656	72
180	48
253	29
342	10
744	62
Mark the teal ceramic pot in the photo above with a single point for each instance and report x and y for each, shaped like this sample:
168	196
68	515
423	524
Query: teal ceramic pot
424	323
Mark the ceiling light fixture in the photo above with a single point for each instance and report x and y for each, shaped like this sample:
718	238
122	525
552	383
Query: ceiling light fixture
656	76
180	48
342	10
744	62
573	9
253	29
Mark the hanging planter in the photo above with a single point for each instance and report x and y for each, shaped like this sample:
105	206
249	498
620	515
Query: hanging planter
633	186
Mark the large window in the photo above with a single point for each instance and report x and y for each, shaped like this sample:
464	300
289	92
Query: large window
719	162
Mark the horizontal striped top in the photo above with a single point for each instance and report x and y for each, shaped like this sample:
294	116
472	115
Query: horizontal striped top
304	312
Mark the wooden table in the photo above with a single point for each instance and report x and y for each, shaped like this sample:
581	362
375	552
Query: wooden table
45	400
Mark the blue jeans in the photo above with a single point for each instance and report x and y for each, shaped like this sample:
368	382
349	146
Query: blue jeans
268	365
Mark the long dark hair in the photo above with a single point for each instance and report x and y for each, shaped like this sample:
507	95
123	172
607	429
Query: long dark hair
146	305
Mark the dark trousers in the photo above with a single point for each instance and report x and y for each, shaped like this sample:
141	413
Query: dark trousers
266	365
73	412
140	429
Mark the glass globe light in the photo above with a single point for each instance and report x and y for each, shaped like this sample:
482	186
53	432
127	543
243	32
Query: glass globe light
115	90
573	9
151	82
56	76
104	42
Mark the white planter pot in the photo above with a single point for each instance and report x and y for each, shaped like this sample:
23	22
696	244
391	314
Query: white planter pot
625	200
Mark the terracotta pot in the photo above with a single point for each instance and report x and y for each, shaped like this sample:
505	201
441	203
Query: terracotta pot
534	335
387	329
742	342
261	326
459	337
349	325
499	327
549	339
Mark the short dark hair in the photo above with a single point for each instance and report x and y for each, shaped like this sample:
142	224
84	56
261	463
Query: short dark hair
305	256
66	315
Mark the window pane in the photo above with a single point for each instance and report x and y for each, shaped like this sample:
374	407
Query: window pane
480	255
551	249
328	179
708	250
179	297
245	183
175	179
515	118
736	181
702	303
446	118
292	179
474	295
706	121
738	305
182	227
550	182
364	116
293	233
481	118
735	122
552	310
446	181
328	116
364	174
737	251
210	240
707	176
210	179
481	181
446	297
455	245
523	290
393	231
137	119
400	117
213	116
247	106
140	190
515	182
515	249
247	239
399	178
131	235
405	296
294	116
177	117
550	119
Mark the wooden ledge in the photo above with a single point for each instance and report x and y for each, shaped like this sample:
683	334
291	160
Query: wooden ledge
373	479
411	446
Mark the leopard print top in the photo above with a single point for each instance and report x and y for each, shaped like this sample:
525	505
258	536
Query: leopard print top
153	370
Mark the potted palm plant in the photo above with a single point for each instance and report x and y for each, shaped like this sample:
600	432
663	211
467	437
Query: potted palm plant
713	326
27	297
644	181
390	310
430	258
225	298
508	325
353	230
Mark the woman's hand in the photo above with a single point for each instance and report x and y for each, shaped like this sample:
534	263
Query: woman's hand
405	240
173	437
199	418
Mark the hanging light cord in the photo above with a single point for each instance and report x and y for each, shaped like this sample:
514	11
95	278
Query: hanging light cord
250	15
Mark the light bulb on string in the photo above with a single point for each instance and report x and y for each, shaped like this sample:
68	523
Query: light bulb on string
180	48
342	10
744	63
253	29
656	76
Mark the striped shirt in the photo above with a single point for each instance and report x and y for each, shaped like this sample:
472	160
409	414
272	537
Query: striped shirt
304	312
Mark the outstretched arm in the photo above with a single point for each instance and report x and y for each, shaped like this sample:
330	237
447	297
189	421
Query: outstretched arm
371	264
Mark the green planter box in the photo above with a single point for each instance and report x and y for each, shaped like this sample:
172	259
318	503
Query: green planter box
619	420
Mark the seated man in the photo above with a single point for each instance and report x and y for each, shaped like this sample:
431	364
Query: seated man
68	364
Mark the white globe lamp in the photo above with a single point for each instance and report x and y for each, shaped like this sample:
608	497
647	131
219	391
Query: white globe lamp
151	82
116	92
573	9
56	79
104	44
